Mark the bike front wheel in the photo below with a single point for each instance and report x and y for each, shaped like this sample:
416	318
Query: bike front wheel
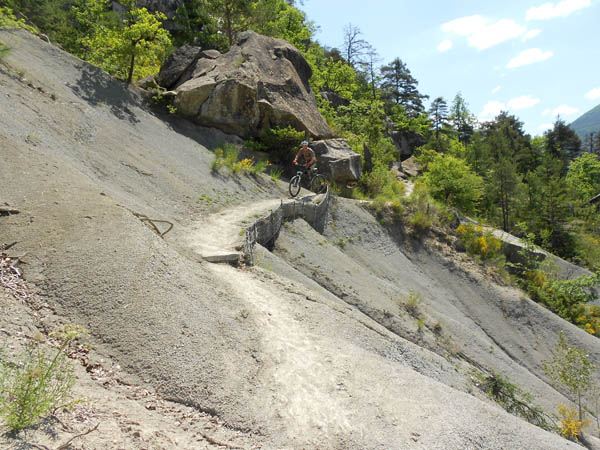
319	184
295	185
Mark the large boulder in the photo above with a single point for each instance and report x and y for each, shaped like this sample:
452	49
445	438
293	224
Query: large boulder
261	82
337	161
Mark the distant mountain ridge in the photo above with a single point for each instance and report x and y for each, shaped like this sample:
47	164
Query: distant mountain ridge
588	123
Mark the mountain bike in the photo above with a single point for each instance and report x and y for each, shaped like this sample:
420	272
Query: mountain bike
316	181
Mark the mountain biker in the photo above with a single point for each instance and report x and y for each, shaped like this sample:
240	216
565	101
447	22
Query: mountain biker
307	155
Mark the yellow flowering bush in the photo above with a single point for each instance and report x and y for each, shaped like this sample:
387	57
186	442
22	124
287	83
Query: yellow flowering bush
479	242
569	426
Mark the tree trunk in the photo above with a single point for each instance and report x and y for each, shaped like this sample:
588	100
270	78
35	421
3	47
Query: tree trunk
131	66
368	159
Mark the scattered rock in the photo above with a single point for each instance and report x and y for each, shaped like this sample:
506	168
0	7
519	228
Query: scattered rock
337	160
410	167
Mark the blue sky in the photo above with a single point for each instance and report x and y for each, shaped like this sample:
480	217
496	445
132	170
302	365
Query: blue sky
535	59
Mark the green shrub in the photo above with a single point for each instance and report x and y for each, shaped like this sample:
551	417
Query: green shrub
420	222
381	182
453	182
9	20
226	156
512	398
259	167
40	381
412	303
4	50
281	142
275	173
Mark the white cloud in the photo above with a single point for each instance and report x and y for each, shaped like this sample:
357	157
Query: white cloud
465	26
531	56
546	112
481	33
496	89
445	45
560	9
545	126
564	110
531	34
523	102
593	94
491	109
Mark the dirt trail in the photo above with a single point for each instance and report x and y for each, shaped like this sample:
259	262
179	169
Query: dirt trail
219	237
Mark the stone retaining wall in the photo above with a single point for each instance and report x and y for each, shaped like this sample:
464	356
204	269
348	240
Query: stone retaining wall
265	230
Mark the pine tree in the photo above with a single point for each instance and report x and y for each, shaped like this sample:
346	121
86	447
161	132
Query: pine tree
563	143
230	16
461	118
400	87
438	113
550	201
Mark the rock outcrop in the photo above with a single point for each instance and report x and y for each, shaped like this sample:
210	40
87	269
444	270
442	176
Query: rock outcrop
337	161
334	98
406	142
260	83
177	64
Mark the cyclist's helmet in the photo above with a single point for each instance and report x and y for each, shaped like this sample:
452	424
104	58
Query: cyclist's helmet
304	143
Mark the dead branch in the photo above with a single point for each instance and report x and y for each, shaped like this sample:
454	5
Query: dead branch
66	444
7	211
152	222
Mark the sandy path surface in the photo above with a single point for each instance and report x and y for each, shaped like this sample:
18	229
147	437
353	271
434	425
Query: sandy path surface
219	237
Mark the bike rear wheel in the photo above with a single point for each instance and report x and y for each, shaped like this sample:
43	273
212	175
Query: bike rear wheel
295	185
319	184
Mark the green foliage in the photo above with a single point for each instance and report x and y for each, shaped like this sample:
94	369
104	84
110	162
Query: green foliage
330	74
420	222
4	50
38	382
281	142
451	180
128	48
403	121
583	177
277	18
412	303
228	155
570	368
562	143
400	88
275	174
381	183
513	399
9	20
